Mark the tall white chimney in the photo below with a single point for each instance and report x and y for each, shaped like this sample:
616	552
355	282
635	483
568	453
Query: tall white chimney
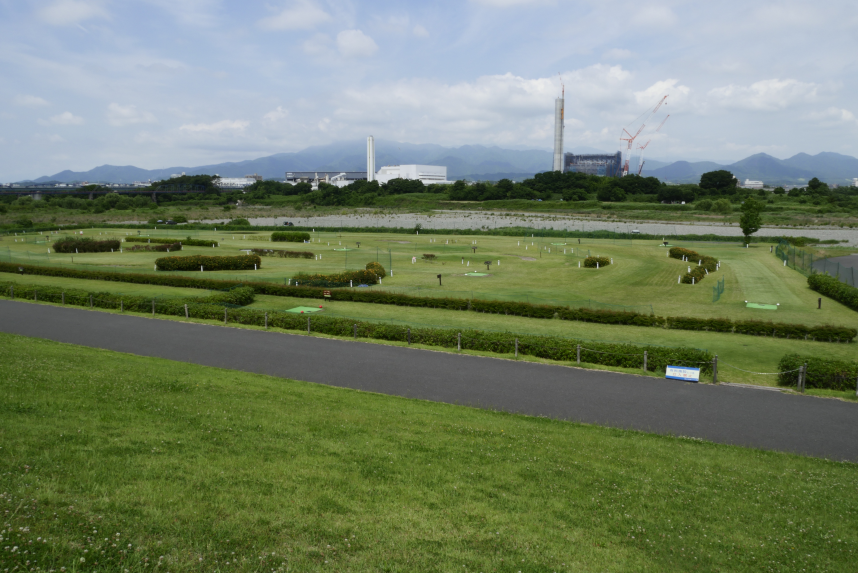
558	134
370	158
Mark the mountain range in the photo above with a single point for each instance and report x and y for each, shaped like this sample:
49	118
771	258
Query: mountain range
476	162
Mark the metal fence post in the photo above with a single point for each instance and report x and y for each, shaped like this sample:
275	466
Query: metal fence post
715	370
35	295
308	325
516	347
645	353
153	307
409	335
459	341
579	354
224	315
355	329
266	319
186	311
90	301
12	291
64	298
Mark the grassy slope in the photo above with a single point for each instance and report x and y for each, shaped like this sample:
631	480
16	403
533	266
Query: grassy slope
204	466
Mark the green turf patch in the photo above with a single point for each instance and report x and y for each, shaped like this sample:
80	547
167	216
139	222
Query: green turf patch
761	305
300	309
561	244
344	249
208	465
476	274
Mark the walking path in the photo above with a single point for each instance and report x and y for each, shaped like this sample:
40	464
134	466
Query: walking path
726	414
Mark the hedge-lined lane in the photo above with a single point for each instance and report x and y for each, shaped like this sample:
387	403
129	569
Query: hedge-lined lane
825	333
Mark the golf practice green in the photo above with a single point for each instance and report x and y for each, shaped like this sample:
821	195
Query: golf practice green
476	274
344	249
300	309
761	305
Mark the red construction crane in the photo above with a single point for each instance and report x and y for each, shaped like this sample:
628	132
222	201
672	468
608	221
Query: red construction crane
631	138
642	147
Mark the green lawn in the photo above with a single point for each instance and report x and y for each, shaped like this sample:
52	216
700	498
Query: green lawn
114	462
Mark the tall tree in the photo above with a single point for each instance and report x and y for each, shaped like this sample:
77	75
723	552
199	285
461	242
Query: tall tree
719	182
751	220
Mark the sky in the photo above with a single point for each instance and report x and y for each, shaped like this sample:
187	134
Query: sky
160	83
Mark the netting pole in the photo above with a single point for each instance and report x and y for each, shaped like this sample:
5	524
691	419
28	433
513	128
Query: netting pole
12	292
579	354
459	341
355	330
715	370
308	325
516	347
186	311
409	336
64	298
645	355
90	302
153	307
266	319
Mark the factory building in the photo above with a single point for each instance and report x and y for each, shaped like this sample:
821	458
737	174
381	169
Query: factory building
338	178
428	174
855	182
235	182
595	164
748	184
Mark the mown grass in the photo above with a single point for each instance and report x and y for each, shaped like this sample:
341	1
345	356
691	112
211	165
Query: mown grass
113	462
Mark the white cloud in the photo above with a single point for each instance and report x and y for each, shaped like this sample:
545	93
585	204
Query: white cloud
317	45
190	12
29	101
833	116
355	44
766	95
122	115
678	94
420	31
71	12
653	16
217	127
298	15
65	118
276	115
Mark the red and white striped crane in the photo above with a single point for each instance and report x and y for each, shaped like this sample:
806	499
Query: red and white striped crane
642	147
631	138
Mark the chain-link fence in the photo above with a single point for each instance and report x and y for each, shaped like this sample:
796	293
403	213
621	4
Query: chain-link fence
807	263
718	290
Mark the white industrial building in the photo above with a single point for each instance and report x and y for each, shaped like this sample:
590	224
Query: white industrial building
428	174
753	184
236	182
855	182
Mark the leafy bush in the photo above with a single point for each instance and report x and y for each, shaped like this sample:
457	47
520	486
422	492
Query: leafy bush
290	236
284	254
704	205
833	288
189	242
590	262
722	206
194	262
84	245
239	223
23	222
377	269
428	257
821	372
343	279
706	263
158	247
510	308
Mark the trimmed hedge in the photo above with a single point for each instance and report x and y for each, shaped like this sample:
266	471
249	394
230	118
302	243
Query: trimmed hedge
166	248
512	308
188	242
699	272
549	347
591	262
283	254
821	373
84	245
376	268
343	279
194	262
289	237
833	288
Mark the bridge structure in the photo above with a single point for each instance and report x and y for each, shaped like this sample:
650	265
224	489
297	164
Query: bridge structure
39	192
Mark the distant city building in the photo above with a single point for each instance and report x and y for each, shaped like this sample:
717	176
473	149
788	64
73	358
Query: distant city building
338	178
255	177
595	164
428	174
753	184
174	175
235	182
855	182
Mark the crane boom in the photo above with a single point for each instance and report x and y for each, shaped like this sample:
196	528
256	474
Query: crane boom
631	138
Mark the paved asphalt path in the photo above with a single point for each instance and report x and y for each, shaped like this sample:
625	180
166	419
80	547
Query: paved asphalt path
731	415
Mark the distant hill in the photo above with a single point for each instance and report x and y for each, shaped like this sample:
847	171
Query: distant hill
829	167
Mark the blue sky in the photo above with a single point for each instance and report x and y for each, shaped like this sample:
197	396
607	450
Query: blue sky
158	83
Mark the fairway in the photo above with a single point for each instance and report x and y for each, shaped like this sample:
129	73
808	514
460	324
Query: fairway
196	467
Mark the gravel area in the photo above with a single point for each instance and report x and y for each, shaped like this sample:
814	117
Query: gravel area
492	220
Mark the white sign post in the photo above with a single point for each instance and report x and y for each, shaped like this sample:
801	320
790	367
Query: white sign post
683	373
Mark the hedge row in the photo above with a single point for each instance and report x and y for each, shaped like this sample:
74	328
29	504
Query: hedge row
194	262
343	279
819	333
833	288
85	245
706	264
549	347
283	254
289	237
592	262
821	373
188	242
166	248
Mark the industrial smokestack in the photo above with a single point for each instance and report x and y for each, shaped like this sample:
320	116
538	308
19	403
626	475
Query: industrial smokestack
558	134
370	158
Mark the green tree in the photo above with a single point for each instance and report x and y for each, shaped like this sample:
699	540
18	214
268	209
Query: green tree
719	182
751	220
722	206
779	191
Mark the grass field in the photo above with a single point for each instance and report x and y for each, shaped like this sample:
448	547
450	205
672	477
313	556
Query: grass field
113	462
643	277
